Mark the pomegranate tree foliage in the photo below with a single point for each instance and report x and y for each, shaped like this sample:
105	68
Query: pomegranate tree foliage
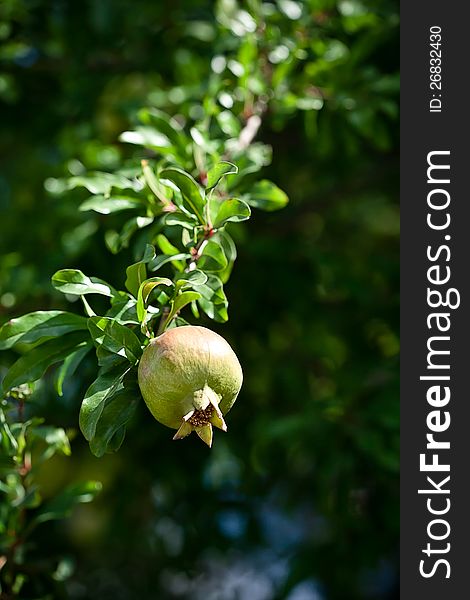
152	139
186	254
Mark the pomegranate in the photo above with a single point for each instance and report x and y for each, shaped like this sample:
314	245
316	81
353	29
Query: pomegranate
190	378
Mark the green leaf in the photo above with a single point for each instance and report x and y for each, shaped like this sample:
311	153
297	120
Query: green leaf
160	191
178	321
73	281
230	251
226	242
62	505
70	364
165	245
192	197
106	206
212	258
39	325
88	310
118	409
115	338
189	238
181	219
214	301
182	300
123	309
163	259
34	363
150	179
266	196
232	210
116	441
102	183
219	170
108	360
147	137
149	254
136	273
144	292
193	278
165	124
93	403
167	248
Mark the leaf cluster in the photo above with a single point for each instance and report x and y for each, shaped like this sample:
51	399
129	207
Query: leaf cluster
188	256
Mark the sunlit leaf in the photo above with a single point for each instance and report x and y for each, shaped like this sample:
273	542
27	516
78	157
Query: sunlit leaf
219	170
73	281
181	301
123	309
93	403
163	259
232	210
147	137
190	279
213	300
118	409
38	325
107	205
115	338
144	292
102	183
165	124
181	219
190	191
34	363
230	251
265	195
137	272
165	245
212	258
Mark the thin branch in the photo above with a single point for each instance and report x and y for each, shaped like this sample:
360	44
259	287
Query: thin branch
248	133
163	320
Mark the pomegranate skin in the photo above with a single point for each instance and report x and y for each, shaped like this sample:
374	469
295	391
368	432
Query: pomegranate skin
185	371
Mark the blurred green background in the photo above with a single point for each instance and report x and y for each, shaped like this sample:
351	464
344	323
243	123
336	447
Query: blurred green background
299	501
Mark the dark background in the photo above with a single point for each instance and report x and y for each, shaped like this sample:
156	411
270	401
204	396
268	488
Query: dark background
300	499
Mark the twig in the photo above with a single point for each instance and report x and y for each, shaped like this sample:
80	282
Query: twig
163	320
248	133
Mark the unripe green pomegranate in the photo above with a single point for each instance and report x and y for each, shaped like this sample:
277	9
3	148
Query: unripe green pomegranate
190	377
